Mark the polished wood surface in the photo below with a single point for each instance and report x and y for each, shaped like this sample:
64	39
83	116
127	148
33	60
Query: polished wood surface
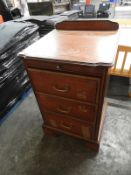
64	67
93	25
67	124
85	47
69	72
86	88
73	108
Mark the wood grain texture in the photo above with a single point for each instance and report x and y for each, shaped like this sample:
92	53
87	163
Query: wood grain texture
93	25
73	108
85	47
64	67
67	124
66	85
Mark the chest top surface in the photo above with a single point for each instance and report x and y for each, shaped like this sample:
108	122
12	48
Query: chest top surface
87	47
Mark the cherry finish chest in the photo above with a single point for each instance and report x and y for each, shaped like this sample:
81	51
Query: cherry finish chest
68	70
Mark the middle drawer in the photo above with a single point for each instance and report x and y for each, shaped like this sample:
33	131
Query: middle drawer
69	107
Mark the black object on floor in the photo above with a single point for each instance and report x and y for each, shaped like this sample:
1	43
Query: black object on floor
14	37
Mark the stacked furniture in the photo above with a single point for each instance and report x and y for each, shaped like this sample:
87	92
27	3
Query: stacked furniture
47	23
78	7
48	7
85	11
71	14
51	22
59	6
89	11
14	36
68	69
40	8
103	11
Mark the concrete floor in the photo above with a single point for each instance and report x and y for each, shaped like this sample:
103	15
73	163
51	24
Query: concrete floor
25	150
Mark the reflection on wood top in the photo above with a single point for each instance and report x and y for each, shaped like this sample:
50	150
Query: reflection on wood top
85	47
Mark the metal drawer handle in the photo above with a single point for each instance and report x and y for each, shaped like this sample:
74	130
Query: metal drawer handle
65	89
66	111
65	126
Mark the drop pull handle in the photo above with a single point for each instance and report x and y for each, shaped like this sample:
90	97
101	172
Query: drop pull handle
66	126
64	110
64	89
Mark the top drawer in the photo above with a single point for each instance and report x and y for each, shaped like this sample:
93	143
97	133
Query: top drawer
79	69
65	85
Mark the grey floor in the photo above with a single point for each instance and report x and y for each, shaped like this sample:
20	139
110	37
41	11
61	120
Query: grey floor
25	150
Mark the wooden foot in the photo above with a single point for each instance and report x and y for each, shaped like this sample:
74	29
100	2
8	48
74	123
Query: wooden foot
50	132
93	146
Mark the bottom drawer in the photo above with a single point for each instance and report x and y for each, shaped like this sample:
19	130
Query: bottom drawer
68	124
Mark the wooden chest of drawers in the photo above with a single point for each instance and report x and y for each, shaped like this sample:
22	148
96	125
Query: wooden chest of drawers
70	90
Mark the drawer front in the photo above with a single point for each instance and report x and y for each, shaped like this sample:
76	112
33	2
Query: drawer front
69	125
64	67
65	85
69	107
